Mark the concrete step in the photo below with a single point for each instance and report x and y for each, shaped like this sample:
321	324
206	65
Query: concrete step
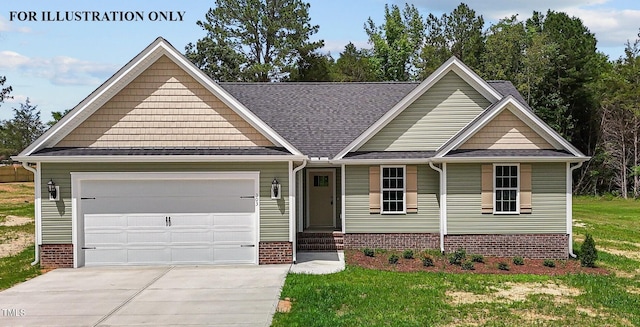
319	247
320	240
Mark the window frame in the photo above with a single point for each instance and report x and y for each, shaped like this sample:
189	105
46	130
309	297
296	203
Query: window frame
517	189
404	190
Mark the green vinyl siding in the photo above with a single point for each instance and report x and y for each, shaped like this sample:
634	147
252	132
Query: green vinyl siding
432	119
56	216
359	220
548	199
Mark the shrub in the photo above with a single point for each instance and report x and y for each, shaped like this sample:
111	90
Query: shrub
381	251
518	261
456	258
393	259
503	266
407	254
549	263
588	252
427	261
477	258
467	265
368	252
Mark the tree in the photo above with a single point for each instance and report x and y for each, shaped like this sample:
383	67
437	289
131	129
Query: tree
396	43
312	67
355	65
57	115
456	34
253	40
25	127
4	91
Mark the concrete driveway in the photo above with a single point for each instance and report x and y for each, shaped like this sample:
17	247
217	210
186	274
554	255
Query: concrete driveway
150	296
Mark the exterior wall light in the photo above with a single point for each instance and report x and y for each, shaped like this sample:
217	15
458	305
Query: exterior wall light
275	189
54	191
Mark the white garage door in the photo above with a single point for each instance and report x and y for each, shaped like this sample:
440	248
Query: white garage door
173	221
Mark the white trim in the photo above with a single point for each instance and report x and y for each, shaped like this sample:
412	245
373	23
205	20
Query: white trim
524	114
293	206
445	221
443	202
453	64
569	204
404	190
508	159
160	158
333	172
38	210
78	177
130	71
510	164
343	204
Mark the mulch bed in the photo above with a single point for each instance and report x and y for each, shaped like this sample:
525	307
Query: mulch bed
490	265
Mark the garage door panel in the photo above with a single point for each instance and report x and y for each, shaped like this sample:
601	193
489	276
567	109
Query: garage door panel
169	221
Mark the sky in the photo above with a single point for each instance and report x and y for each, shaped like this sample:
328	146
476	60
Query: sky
56	64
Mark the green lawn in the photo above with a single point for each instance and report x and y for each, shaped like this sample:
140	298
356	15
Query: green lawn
360	297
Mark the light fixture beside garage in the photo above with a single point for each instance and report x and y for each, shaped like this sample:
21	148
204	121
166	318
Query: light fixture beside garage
275	189
54	191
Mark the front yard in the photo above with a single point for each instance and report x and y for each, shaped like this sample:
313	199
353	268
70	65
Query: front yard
365	297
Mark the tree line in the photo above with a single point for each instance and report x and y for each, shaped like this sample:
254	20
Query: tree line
551	58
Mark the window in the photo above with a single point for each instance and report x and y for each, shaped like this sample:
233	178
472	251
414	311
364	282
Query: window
320	181
393	187
506	189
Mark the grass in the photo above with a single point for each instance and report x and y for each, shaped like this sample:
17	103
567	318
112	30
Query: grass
361	297
16	199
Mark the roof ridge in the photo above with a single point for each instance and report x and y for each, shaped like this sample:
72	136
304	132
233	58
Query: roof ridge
316	83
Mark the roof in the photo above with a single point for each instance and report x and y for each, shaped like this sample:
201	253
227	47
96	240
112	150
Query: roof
507	153
389	155
340	112
302	112
162	151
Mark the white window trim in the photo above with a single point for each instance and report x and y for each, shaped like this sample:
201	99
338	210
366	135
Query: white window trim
517	212
404	190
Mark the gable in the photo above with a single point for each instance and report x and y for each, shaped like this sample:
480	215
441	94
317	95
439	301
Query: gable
164	106
506	131
433	118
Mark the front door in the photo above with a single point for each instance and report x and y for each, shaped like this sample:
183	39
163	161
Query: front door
321	199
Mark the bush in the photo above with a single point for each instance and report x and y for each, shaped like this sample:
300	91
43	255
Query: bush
588	252
477	258
468	265
407	254
368	252
427	261
549	263
503	266
518	261
393	259
456	258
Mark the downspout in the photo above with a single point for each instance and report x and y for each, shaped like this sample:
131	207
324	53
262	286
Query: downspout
292	208
570	205
442	204
37	206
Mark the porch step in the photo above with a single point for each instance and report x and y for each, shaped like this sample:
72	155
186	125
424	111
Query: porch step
329	241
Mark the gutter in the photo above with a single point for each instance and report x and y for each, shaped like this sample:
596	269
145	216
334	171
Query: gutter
293	209
37	206
443	204
570	205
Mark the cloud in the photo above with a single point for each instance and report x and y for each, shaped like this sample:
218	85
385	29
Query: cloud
60	70
612	27
6	26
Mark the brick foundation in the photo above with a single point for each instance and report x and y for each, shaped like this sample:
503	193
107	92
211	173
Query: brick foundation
275	252
534	246
392	241
56	255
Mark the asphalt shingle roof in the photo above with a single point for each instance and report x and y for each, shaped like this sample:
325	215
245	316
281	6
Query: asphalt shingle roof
321	119
508	153
158	151
390	154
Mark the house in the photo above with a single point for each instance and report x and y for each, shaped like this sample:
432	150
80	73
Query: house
162	165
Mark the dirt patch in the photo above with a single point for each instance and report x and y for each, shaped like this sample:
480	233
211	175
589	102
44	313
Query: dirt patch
14	243
532	316
514	292
588	311
284	306
15	221
579	223
633	290
490	266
